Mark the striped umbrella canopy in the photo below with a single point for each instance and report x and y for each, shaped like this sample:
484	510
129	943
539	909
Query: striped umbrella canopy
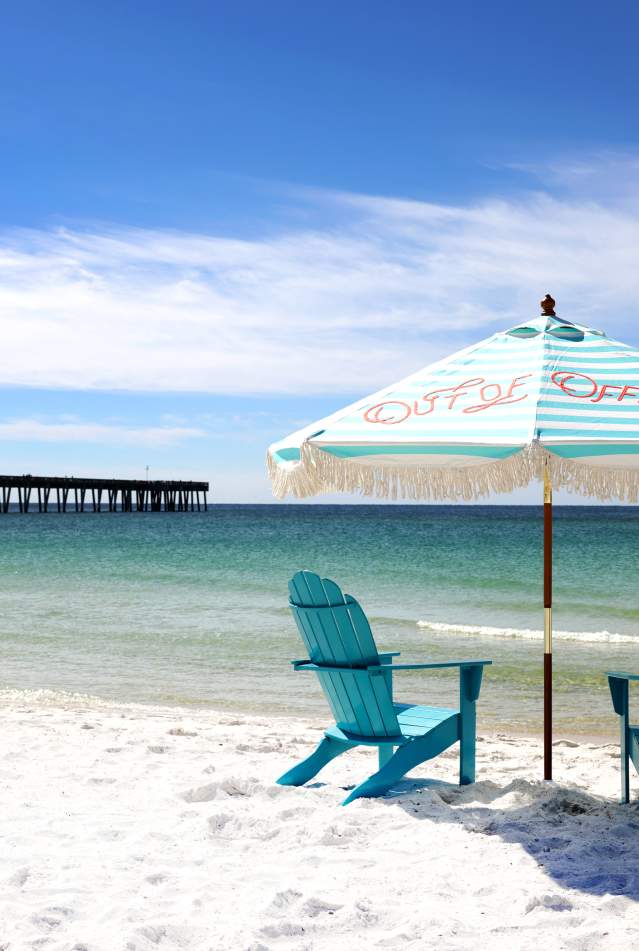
486	419
547	399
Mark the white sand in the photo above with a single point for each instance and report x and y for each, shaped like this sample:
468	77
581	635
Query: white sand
137	828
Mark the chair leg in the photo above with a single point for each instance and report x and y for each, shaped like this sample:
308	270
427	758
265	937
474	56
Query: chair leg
467	742
416	751
385	753
619	694
327	750
469	684
625	759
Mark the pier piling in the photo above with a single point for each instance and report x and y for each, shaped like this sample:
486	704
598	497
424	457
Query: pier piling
126	495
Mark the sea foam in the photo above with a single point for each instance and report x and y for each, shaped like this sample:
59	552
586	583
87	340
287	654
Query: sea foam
471	630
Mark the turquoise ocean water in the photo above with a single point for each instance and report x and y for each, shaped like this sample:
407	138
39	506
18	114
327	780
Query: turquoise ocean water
191	608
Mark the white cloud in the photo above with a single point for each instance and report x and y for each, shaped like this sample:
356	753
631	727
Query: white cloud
32	430
395	285
605	176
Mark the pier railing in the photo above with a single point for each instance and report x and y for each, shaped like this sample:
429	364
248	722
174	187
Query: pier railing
34	493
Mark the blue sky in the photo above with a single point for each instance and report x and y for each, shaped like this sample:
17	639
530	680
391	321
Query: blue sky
221	221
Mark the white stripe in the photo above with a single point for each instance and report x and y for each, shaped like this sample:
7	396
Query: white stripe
584	409
600	343
557	395
416	437
467	440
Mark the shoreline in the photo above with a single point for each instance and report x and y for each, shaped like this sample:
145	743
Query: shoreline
71	700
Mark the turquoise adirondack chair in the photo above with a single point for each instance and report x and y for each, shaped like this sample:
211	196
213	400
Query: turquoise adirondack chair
618	683
358	685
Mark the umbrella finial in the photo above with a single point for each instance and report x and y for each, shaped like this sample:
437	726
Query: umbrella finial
548	307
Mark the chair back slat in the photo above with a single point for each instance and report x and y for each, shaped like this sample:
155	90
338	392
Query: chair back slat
336	633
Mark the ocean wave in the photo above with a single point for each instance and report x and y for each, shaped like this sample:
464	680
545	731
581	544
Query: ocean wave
471	630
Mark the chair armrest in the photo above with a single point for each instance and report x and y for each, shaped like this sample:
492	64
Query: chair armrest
470	671
620	675
372	669
375	669
385	659
470	675
441	664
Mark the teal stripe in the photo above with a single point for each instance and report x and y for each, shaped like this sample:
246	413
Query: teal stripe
288	454
575	452
353	452
589	358
583	418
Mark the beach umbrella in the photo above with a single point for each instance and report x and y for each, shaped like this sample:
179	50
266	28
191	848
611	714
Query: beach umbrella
548	399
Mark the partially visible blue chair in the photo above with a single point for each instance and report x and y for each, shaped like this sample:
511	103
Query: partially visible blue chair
618	683
358	685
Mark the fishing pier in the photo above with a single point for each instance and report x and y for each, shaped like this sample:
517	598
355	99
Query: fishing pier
34	493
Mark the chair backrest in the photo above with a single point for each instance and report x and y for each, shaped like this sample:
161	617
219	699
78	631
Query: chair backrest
336	633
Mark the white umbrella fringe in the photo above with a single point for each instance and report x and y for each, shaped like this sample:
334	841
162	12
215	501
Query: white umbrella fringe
600	482
319	471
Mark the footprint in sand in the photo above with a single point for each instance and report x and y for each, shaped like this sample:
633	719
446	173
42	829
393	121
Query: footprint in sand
316	906
51	918
152	933
202	793
339	835
19	878
552	902
297	812
219	822
283	901
223	789
284	929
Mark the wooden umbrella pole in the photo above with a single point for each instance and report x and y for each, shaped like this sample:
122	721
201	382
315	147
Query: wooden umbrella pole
547	624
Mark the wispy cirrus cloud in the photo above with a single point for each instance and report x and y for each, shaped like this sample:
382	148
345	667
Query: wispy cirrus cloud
392	285
608	175
33	430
